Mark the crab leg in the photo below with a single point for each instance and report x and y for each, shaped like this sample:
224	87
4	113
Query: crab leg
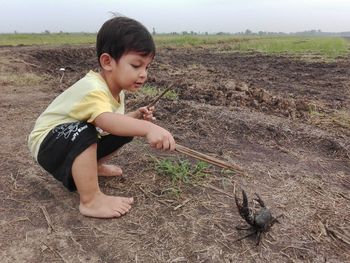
248	235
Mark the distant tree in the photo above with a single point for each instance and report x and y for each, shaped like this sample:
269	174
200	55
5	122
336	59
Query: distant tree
47	32
248	32
154	31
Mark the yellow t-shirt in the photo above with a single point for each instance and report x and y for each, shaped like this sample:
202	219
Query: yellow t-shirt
83	101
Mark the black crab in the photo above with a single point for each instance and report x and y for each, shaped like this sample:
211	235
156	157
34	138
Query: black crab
258	221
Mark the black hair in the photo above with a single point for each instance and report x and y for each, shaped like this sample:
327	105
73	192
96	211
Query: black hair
120	35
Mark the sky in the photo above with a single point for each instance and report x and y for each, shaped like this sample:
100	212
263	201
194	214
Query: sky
212	16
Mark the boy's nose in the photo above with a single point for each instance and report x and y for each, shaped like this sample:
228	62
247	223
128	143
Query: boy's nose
143	74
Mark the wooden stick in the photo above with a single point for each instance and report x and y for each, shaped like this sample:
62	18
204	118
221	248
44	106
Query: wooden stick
207	158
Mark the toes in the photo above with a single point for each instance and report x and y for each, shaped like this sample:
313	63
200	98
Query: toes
128	200
117	214
123	208
121	211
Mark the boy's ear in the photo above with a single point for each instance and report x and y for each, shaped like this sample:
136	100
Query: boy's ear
106	61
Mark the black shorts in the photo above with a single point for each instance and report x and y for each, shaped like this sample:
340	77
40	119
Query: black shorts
66	141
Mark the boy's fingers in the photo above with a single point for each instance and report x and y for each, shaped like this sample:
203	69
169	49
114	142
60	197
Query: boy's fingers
172	143
166	144
143	110
148	117
159	145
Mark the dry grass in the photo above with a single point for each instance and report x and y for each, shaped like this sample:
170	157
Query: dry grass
20	80
14	72
339	119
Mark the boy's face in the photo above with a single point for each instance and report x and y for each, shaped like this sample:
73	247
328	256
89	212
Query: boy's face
129	72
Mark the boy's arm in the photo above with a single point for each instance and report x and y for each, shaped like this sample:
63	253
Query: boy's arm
119	124
133	114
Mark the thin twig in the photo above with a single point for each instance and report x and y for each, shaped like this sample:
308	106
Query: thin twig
23	218
344	196
338	235
26	63
55	252
218	190
48	219
14	181
159	97
155	100
182	204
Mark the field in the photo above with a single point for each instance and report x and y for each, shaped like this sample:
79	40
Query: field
280	112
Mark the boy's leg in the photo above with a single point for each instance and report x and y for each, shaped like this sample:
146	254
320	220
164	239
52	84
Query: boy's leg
92	201
106	146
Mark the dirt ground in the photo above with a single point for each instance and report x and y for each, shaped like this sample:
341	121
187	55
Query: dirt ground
284	120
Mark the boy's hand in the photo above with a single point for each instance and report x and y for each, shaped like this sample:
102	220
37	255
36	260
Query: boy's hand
160	139
147	113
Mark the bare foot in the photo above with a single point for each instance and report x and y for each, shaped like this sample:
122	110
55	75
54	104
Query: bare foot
105	206
109	170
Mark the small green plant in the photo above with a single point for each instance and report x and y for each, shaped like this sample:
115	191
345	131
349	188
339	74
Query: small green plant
173	191
181	171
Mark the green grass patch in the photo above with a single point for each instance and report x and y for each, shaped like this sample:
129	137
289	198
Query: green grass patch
151	91
47	39
328	47
181	171
325	47
195	40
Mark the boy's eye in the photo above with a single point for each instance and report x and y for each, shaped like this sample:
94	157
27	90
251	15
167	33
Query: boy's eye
135	66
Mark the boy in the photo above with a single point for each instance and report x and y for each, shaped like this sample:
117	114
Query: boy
86	123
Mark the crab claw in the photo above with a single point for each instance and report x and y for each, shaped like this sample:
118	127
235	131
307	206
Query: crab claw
245	199
243	209
259	200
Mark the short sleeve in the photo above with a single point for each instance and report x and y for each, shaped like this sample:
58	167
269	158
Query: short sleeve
92	105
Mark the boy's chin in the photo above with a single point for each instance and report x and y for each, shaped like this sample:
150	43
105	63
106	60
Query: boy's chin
135	88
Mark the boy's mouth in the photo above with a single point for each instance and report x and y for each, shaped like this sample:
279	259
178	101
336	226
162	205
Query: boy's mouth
138	84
